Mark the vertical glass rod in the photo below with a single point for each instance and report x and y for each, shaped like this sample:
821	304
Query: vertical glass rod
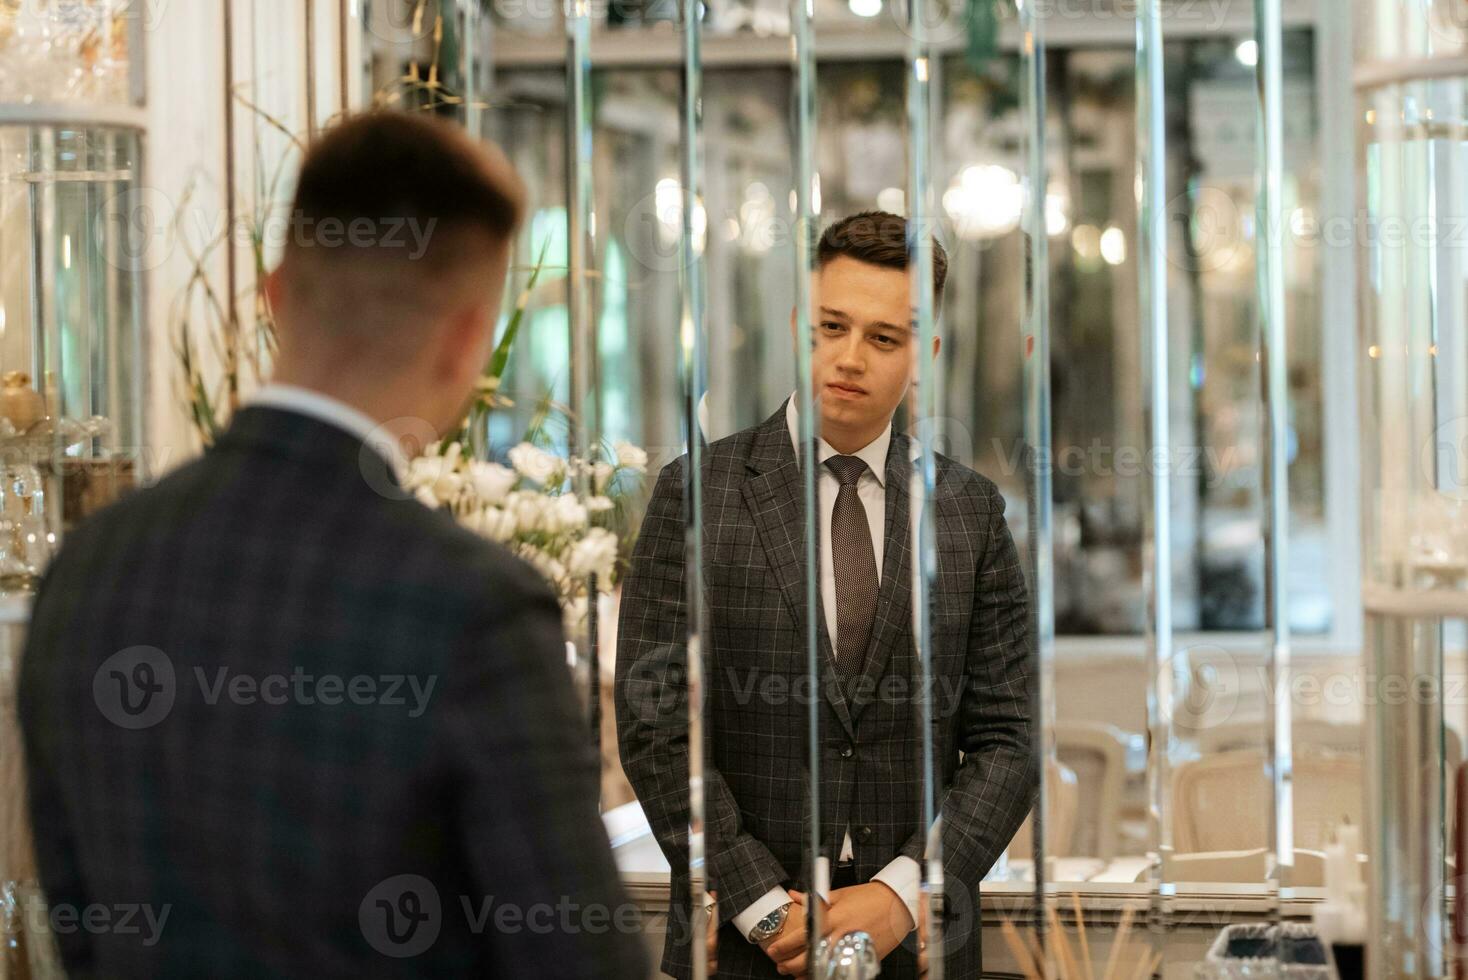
1274	359
580	238
807	216
921	64
1035	348
1152	284
694	361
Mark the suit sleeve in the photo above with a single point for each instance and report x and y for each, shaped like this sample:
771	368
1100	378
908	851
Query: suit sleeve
652	712
526	784
994	787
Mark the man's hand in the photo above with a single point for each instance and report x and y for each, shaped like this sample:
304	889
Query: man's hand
872	908
788	948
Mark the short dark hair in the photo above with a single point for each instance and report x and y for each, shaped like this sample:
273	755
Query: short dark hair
880	238
404	165
395	215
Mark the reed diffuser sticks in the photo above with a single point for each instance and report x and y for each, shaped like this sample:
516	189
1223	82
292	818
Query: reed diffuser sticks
1125	961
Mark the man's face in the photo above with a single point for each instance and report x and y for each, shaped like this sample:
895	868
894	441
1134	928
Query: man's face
862	358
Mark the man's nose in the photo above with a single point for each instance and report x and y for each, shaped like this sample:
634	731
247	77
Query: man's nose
850	357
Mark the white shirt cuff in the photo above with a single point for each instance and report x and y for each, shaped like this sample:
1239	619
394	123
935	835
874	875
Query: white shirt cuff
904	876
774	898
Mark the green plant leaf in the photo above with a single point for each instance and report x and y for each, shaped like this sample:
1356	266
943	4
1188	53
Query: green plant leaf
501	355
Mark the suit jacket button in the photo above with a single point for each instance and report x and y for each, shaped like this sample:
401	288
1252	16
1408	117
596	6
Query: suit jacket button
864	834
846	752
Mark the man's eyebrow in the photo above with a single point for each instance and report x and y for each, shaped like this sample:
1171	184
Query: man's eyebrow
836	314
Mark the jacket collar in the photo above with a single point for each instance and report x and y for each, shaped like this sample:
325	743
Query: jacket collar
298	436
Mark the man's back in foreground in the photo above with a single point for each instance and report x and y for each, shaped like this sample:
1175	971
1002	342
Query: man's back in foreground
283	720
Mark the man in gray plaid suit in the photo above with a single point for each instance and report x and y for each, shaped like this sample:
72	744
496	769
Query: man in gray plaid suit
283	713
755	714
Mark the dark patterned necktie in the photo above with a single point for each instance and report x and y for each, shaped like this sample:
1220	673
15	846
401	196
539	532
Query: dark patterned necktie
855	564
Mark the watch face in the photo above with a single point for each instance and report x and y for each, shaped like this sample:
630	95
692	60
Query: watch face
769	925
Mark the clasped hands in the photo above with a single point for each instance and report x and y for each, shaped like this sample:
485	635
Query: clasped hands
872	908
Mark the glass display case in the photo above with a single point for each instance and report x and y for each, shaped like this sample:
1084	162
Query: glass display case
71	304
1416	377
1412	79
77	239
77	233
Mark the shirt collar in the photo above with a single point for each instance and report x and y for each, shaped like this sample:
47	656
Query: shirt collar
334	412
874	453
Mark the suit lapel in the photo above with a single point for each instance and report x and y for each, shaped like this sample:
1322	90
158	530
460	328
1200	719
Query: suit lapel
894	597
773	494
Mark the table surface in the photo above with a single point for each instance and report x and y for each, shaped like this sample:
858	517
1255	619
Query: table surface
1107	887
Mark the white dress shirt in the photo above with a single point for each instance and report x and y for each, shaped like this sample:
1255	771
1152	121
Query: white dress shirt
902	874
334	412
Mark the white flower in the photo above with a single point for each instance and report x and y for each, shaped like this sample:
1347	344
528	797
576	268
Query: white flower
631	457
595	554
496	524
422	470
528	509
599	504
492	481
601	473
426	498
564	513
437	475
536	464
543	563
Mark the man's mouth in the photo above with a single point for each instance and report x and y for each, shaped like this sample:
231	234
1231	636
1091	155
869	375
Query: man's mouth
845	388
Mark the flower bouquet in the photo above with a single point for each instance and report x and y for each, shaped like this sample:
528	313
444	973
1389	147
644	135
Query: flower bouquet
562	514
558	513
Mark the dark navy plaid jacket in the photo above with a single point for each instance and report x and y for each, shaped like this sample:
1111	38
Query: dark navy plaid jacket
316	730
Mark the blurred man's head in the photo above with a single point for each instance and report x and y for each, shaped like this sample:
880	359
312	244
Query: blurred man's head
393	273
864	356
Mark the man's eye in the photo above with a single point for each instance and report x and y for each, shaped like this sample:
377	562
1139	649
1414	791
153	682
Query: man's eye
884	339
828	325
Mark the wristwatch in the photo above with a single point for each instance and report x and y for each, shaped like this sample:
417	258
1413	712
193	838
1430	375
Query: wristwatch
769	927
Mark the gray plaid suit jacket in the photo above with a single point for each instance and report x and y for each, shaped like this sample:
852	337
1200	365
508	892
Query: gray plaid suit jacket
756	699
331	835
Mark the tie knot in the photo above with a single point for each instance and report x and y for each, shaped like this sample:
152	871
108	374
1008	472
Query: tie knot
848	469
